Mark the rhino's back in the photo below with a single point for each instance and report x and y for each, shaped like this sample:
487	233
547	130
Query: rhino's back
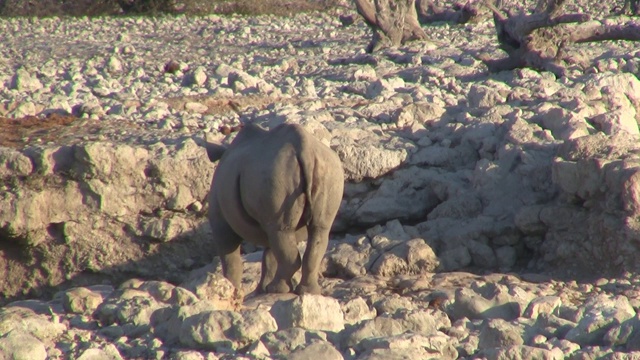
255	149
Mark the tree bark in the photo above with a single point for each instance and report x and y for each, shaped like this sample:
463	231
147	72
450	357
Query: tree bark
394	22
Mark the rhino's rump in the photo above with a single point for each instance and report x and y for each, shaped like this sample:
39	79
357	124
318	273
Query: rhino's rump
273	191
260	192
284	179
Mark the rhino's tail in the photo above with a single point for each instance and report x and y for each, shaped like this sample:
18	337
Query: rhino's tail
306	159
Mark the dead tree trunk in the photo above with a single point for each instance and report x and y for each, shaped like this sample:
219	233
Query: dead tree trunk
537	40
459	13
394	22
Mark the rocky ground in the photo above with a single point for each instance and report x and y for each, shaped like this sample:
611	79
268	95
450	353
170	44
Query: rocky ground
484	216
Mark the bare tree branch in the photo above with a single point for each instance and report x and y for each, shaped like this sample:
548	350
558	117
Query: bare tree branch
537	40
600	32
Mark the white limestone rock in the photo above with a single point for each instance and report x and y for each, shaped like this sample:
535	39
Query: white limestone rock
407	194
542	304
454	259
485	96
411	257
357	310
14	163
432	346
319	349
347	261
472	305
599	314
254	324
22	346
375	328
25	80
498	333
216	288
419	113
81	300
311	312
107	352
26	322
210	330
114	64
167	322
522	352
283	341
199	76
365	158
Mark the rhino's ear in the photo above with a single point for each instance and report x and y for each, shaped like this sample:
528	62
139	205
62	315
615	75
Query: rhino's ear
215	151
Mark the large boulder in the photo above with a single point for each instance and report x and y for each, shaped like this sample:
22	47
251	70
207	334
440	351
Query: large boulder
311	312
106	203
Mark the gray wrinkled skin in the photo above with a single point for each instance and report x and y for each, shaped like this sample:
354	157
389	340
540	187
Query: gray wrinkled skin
274	189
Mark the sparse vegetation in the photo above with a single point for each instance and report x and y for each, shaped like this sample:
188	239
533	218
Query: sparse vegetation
44	8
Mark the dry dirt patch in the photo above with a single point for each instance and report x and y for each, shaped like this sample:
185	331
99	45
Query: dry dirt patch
56	128
18	132
218	105
66	129
240	104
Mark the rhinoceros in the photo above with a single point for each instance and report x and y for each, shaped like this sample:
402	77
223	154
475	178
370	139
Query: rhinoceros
275	188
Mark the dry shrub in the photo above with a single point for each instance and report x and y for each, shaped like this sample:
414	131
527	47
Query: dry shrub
149	6
225	7
30	8
42	8
89	7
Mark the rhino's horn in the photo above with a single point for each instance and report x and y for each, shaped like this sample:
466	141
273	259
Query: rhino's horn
215	151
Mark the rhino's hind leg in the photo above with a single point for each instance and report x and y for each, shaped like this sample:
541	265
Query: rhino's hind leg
284	248
232	267
269	268
316	247
228	248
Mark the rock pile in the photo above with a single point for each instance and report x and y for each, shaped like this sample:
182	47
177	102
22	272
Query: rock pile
443	316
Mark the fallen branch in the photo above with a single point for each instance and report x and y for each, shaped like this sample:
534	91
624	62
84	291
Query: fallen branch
600	32
537	40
